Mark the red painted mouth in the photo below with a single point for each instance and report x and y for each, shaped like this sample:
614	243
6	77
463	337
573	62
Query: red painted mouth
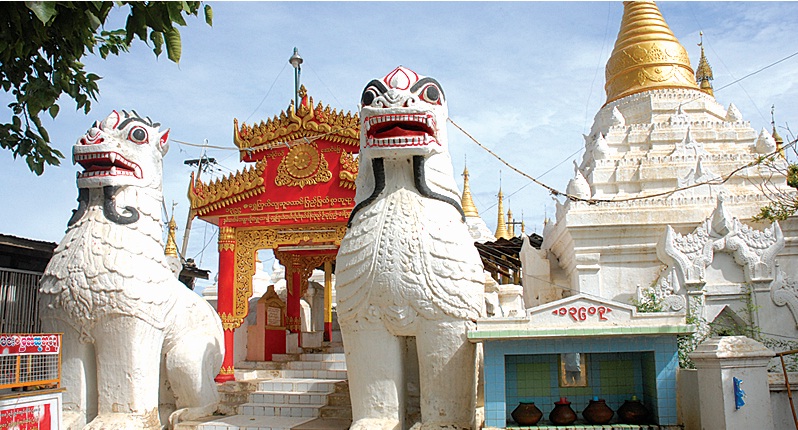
98	164
400	130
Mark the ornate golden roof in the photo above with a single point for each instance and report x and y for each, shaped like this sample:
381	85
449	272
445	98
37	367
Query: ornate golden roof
467	202
501	226
703	74
233	188
647	55
171	245
291	125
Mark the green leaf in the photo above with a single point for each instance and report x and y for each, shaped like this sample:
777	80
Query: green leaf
175	12
53	111
174	46
94	22
44	10
157	42
208	15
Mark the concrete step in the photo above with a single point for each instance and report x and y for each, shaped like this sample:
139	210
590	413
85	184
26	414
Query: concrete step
340	412
335	356
287	398
315	365
339	399
247	422
299	385
325	424
279	410
315	374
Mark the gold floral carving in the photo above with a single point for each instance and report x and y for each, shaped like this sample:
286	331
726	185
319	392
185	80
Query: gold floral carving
227	239
293	124
303	165
348	172
227	370
229	322
249	241
219	193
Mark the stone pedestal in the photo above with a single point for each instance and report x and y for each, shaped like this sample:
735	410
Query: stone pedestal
719	361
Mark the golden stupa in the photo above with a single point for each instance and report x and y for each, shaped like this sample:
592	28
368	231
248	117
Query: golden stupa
467	202
501	226
647	55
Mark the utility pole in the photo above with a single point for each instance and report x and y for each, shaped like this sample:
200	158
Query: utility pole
199	162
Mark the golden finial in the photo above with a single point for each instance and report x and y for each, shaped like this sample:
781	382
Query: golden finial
776	136
501	227
510	222
467	202
647	55
171	245
703	74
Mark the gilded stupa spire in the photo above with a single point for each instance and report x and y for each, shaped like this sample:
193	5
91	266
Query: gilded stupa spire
171	244
510	223
467	202
703	74
501	226
647	55
776	136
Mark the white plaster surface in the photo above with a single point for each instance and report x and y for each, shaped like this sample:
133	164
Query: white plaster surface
123	313
407	267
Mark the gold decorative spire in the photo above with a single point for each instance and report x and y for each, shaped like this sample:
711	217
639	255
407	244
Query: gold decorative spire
647	55
501	226
776	136
171	245
703	74
510	222
467	202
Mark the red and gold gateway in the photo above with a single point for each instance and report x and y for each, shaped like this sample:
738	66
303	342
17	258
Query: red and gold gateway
294	198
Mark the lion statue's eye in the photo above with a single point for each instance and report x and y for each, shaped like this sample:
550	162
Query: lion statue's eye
431	94
368	96
138	135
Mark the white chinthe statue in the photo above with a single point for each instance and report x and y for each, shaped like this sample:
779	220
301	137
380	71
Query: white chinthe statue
125	316
407	266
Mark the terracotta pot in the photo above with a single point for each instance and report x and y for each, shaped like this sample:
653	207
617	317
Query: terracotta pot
526	414
633	412
562	414
597	412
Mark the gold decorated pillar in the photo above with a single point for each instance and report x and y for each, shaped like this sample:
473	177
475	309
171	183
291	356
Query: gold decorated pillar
327	301
225	293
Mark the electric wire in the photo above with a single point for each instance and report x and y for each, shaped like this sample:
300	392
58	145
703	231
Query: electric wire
267	92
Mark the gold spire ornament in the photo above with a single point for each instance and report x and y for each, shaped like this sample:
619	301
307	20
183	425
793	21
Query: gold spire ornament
171	244
703	74
467	202
647	56
776	136
501	226
510	223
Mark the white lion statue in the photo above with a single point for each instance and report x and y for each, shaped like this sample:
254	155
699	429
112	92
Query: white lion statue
134	336
407	267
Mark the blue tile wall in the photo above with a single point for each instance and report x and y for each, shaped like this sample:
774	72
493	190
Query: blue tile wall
618	368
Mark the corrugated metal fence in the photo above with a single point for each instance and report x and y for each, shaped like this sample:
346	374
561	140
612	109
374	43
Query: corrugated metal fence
19	308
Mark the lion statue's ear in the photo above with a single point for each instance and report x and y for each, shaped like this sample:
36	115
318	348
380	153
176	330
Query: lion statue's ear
163	142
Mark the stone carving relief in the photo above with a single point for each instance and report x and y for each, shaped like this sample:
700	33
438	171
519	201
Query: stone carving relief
733	114
578	185
689	146
407	267
784	292
765	144
689	255
109	289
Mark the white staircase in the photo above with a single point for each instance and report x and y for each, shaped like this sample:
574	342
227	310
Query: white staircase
309	392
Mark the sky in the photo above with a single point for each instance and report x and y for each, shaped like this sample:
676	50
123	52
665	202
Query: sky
523	78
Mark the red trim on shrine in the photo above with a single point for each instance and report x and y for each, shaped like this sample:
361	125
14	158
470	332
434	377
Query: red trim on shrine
294	198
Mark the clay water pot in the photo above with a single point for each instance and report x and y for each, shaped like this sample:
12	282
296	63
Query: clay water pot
633	412
597	412
526	414
562	414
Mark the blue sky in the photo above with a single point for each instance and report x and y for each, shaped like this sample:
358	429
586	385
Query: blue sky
524	78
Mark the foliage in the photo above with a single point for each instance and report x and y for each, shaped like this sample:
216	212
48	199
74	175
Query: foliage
40	66
782	205
651	302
